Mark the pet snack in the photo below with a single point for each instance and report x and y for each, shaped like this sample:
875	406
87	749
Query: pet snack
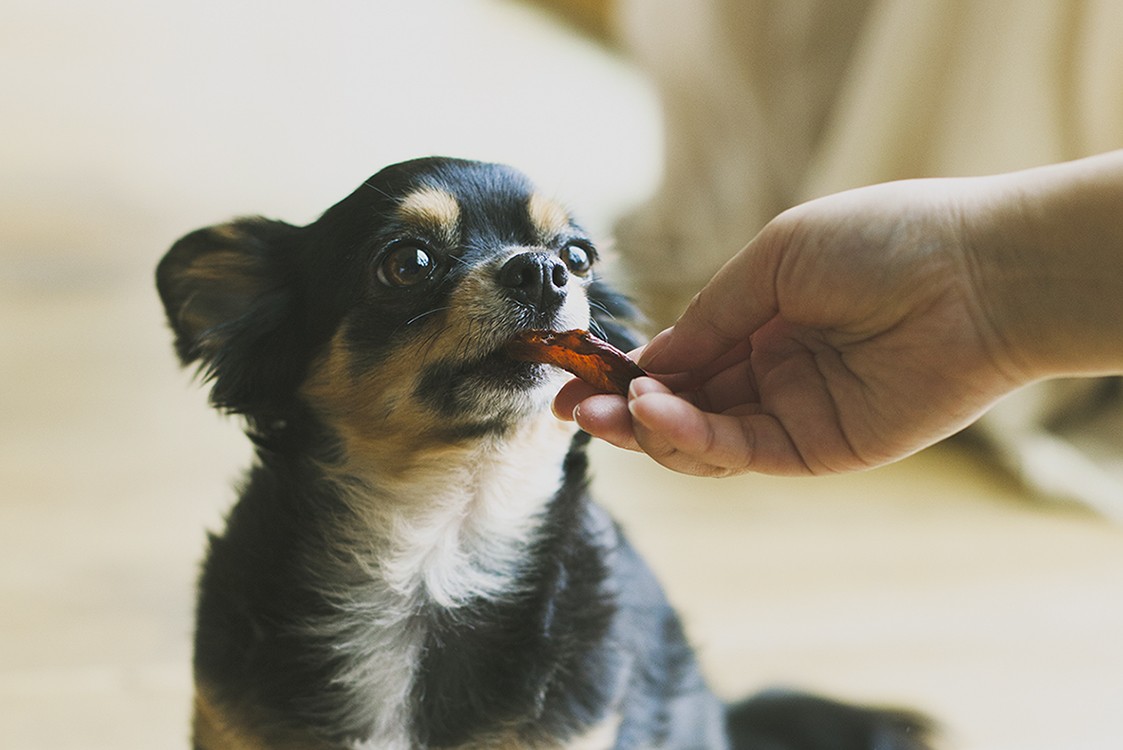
597	362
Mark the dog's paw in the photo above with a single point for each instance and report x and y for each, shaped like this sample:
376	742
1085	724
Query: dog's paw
780	720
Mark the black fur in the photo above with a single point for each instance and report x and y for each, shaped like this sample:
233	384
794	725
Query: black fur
582	635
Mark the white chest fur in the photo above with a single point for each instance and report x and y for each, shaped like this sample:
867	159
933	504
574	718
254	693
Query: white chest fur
453	528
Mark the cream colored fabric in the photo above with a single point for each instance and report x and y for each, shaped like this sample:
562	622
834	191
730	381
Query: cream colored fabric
770	103
952	88
774	102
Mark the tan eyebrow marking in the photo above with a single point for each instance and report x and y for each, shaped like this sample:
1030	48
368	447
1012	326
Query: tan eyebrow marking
434	209
548	217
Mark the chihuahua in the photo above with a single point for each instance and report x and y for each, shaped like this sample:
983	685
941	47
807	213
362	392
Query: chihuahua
414	560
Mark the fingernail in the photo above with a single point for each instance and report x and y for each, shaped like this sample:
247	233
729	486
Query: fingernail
633	406
641	386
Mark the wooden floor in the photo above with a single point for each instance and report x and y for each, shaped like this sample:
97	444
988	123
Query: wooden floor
931	583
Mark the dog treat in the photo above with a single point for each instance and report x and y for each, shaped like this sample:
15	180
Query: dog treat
597	362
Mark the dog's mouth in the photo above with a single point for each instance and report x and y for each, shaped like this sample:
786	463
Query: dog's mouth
501	384
504	370
578	352
527	358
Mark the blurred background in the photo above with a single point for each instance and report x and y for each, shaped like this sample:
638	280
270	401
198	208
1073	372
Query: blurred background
937	583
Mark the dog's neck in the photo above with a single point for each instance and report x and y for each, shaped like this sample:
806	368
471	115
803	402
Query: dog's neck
451	521
453	529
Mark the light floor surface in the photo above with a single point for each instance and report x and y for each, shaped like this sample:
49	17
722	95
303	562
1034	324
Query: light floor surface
933	583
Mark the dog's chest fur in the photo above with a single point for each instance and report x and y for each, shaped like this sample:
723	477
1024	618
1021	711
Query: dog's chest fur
452	533
441	606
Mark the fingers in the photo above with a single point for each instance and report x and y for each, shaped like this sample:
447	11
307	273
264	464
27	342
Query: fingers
570	395
607	417
602	415
686	439
576	391
680	436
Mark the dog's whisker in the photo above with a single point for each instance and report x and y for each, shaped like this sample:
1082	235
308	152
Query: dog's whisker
467	345
416	318
431	340
600	306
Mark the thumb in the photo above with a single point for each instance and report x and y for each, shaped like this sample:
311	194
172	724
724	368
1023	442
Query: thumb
739	299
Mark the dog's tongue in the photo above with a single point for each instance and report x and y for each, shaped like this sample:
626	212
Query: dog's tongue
597	362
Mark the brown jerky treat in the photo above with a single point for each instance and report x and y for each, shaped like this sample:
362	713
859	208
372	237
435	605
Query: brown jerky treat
597	362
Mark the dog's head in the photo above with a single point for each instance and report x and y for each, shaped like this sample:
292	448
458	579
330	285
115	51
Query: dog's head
391	311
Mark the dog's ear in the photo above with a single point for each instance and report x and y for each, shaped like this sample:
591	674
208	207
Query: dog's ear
616	316
225	294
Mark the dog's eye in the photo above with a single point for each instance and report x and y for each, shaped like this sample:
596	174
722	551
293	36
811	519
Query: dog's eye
406	265
577	259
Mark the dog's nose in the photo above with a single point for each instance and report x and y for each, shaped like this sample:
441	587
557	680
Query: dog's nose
535	278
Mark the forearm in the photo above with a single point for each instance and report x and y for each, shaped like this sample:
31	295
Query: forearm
1047	250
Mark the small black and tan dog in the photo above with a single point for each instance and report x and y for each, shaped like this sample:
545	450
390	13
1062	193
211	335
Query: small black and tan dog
414	561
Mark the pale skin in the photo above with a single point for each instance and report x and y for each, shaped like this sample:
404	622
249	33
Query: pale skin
859	328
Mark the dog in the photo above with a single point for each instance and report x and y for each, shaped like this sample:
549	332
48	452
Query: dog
414	560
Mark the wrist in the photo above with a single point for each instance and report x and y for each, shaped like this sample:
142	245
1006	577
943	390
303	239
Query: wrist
1046	249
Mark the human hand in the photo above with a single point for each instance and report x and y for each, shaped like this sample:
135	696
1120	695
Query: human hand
852	331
